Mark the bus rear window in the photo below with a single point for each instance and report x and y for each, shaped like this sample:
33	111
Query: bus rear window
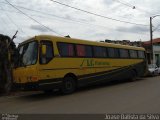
66	49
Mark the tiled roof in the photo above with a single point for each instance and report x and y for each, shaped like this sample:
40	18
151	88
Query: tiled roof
157	40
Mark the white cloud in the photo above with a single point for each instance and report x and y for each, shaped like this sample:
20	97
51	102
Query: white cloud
77	24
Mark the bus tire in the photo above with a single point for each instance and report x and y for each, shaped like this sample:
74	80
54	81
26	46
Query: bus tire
69	85
133	76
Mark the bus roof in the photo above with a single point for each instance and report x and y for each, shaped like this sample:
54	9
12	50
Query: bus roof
80	41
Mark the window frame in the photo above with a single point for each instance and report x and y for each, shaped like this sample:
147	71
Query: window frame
136	54
100	47
93	54
33	40
85	49
40	52
74	54
143	54
114	57
128	57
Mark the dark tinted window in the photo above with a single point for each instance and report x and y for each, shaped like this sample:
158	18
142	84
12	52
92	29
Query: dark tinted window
99	52
84	51
141	54
80	50
89	52
49	52
124	53
66	49
113	52
116	52
133	53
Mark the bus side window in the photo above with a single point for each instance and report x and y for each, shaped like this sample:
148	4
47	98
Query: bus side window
81	50
66	49
133	53
141	54
124	53
44	59
89	52
116	53
99	52
84	51
113	52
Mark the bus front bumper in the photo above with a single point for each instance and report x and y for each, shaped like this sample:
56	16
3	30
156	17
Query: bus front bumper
38	85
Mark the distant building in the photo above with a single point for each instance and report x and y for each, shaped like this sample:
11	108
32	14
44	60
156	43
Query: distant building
108	41
125	42
146	45
156	51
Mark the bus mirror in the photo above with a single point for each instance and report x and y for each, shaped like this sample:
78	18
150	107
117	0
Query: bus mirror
44	48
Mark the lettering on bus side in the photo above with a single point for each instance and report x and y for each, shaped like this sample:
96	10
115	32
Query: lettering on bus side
92	63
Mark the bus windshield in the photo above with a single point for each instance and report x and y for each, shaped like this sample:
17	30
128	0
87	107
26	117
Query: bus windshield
28	54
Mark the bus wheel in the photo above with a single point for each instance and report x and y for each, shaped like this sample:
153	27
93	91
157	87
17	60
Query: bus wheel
133	76
69	85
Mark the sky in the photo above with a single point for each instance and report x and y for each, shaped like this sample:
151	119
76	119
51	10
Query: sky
49	18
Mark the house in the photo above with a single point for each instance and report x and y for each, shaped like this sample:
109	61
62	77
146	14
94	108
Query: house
156	51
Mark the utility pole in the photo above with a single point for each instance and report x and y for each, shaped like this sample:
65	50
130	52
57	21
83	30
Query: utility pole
151	39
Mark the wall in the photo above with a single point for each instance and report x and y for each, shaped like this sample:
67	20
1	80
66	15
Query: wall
156	52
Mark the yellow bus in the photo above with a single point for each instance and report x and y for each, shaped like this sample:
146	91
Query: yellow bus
47	62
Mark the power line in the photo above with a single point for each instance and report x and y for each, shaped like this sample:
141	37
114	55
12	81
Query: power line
140	9
15	24
97	14
41	12
4	22
72	20
126	4
44	13
12	21
77	21
4	28
30	9
156	28
84	22
33	18
132	6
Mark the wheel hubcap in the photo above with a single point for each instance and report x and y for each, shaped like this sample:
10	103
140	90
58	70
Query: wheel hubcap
69	85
